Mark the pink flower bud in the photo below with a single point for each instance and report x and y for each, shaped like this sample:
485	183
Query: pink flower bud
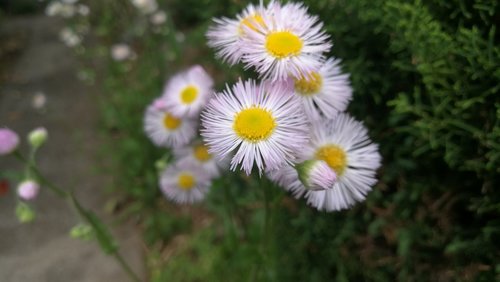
9	140
28	190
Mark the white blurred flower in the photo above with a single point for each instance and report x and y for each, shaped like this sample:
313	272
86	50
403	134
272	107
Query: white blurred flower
53	9
83	10
67	10
145	6
121	52
158	18
39	100
69	37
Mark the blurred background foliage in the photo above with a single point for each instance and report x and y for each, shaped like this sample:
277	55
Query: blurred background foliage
426	79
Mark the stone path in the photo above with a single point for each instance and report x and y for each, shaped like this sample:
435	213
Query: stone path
42	251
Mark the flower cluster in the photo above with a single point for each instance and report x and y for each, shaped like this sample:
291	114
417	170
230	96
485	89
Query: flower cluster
290	125
171	121
29	188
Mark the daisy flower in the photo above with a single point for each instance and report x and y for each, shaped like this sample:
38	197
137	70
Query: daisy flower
325	92
187	92
198	154
226	34
344	145
166	130
289	42
262	123
185	183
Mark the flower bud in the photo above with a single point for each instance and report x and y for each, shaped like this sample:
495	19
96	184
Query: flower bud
9	140
24	213
161	164
82	232
37	137
316	175
28	190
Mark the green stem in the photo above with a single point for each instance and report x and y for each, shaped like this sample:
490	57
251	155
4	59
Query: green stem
229	210
31	167
125	266
44	181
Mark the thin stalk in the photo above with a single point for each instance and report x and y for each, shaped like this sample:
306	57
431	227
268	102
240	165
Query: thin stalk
44	181
125	266
31	168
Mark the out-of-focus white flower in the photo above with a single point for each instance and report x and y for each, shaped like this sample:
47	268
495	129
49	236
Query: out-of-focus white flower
67	10
28	190
53	9
83	10
158	18
166	130
39	100
185	183
69	37
187	92
121	52
145	6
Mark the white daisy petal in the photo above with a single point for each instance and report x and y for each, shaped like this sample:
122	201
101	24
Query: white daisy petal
226	34
343	143
198	154
287	42
324	93
262	123
185	183
187	92
166	130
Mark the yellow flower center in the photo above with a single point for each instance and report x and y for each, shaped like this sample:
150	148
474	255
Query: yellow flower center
254	124
252	22
186	181
334	156
309	85
201	153
171	122
283	44
189	94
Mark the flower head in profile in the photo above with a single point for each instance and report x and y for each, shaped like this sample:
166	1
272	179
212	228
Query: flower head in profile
288	42
197	153
185	183
226	34
167	130
316	175
9	140
343	144
187	92
262	123
324	93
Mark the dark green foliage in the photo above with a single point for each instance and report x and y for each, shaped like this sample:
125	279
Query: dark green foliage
426	76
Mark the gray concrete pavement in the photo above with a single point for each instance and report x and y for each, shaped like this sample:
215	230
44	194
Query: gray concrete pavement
42	251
